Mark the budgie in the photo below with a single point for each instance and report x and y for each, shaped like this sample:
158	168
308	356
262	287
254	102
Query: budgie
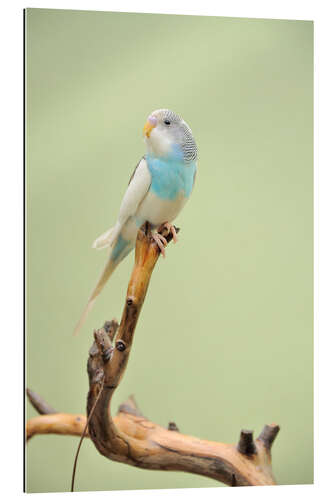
158	189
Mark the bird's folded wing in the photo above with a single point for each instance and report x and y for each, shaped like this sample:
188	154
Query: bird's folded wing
137	189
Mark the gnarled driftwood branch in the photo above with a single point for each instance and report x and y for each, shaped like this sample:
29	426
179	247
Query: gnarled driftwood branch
131	438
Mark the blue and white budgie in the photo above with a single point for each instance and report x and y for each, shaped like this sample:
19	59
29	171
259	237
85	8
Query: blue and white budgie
157	191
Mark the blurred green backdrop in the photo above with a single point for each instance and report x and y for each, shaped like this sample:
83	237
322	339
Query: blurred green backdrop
224	341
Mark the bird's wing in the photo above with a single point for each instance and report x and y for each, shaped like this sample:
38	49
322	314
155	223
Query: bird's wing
137	189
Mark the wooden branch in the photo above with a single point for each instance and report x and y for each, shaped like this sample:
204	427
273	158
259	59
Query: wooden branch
246	444
39	404
131	438
268	435
217	460
56	423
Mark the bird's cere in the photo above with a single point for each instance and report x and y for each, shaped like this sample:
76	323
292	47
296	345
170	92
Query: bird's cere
152	120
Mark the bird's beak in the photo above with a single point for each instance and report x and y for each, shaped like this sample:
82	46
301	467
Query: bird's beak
149	125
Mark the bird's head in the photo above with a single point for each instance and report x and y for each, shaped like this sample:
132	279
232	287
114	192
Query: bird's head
166	133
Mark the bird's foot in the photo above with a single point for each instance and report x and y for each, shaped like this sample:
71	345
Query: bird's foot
160	241
171	229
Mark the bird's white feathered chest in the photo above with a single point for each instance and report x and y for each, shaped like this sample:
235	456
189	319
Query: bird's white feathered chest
157	210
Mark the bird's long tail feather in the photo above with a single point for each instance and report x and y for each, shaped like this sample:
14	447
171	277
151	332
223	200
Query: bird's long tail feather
106	239
106	273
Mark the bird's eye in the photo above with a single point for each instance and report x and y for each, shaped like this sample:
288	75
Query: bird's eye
167	122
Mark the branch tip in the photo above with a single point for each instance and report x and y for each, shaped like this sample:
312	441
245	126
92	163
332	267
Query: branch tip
39	404
268	435
111	328
130	406
246	444
172	426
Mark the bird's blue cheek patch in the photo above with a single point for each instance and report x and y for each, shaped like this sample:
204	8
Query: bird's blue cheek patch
121	248
171	176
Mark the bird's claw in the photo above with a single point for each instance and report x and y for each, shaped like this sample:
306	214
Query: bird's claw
173	232
171	229
160	241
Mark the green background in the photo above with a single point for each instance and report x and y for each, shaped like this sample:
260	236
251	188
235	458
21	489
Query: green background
224	341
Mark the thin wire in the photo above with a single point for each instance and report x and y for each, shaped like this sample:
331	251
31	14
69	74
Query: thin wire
83	434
